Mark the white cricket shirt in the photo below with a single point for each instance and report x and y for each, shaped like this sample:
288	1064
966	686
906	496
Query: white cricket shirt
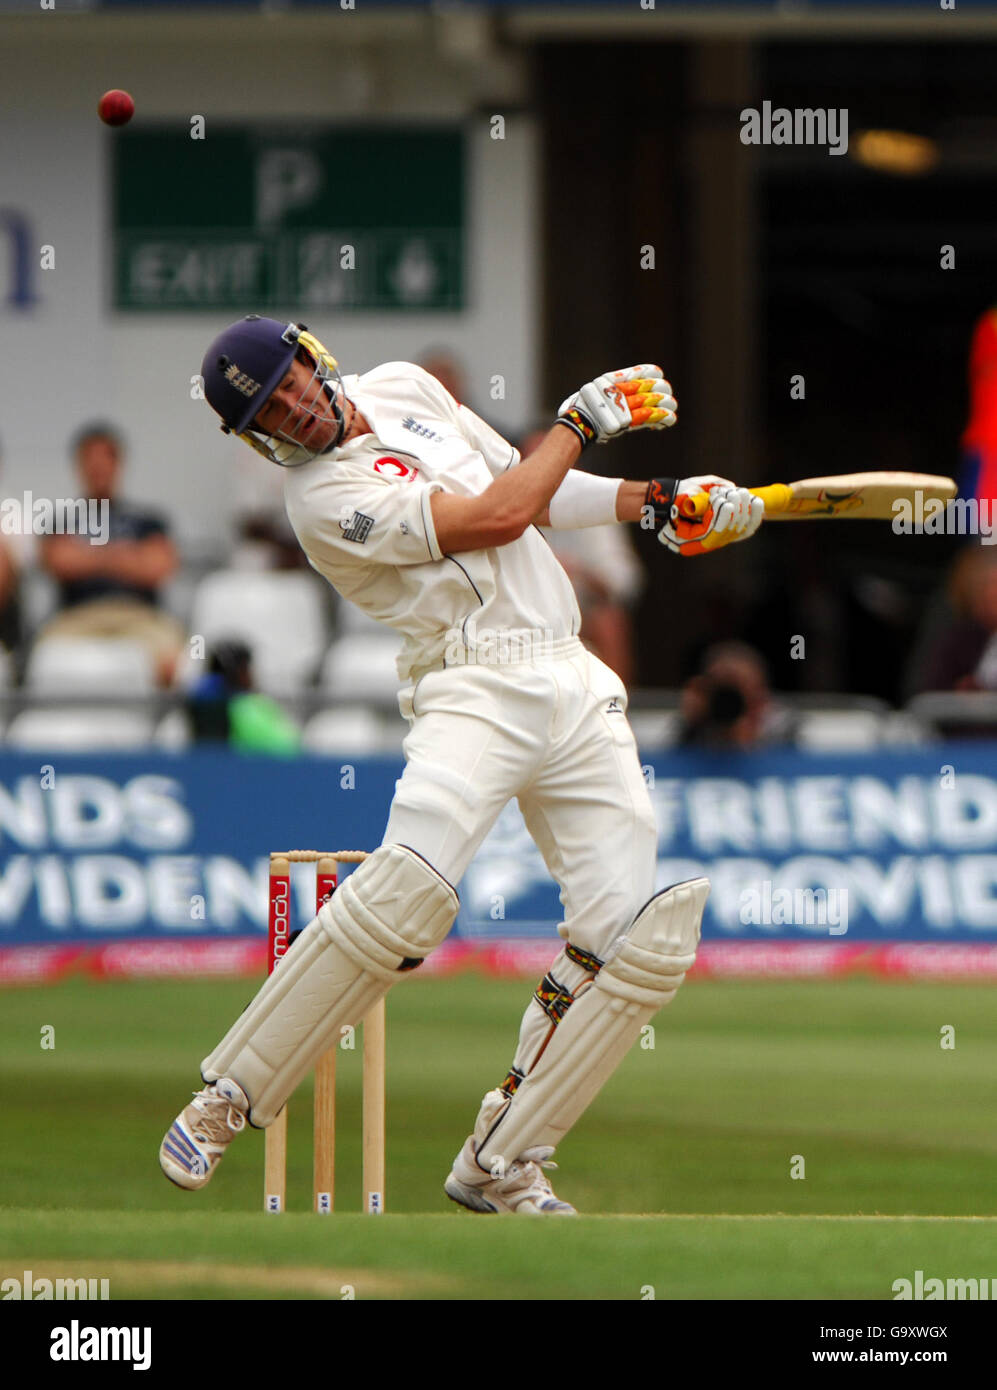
362	516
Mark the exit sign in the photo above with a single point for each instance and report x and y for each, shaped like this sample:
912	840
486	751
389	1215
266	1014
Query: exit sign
321	218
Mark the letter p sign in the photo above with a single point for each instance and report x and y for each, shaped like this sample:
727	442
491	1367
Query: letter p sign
285	179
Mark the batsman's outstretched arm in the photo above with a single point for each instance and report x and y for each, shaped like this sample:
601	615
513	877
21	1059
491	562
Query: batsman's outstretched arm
507	506
631	500
611	405
728	513
588	499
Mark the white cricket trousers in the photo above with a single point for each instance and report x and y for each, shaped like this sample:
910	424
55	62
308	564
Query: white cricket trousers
551	731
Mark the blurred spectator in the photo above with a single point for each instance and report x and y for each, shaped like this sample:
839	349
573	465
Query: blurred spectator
266	541
729	703
607	579
959	650
9	607
13	555
441	363
223	706
112	590
264	538
954	650
450	373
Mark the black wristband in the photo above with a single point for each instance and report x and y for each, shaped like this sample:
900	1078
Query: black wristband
659	496
579	424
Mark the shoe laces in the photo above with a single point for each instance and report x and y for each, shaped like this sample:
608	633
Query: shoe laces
527	1171
218	1119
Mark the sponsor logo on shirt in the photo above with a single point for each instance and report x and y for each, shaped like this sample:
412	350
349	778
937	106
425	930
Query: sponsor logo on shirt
357	528
614	706
394	468
423	430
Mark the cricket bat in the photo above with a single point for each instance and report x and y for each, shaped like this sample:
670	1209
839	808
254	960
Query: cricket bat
854	496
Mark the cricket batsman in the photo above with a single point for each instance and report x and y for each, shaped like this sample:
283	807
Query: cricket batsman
421	514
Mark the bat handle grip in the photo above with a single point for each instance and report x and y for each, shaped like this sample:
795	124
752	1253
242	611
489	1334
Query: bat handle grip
694	504
777	497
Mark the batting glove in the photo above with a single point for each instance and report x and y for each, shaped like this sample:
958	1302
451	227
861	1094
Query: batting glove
636	398
697	515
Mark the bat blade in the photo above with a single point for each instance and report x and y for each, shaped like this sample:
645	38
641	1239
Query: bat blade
858	496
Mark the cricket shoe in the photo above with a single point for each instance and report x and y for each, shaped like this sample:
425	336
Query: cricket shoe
523	1188
197	1139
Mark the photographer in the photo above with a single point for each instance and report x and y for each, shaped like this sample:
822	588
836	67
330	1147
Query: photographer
729	703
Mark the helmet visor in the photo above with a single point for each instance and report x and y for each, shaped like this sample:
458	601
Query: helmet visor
309	426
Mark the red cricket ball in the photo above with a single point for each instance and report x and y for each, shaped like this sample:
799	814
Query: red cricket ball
115	107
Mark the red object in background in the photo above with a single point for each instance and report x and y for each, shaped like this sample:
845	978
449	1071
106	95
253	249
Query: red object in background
115	107
978	477
982	426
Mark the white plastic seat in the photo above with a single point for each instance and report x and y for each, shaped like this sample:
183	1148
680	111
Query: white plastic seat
79	729
280	617
90	666
350	729
362	667
902	729
655	729
839	731
173	732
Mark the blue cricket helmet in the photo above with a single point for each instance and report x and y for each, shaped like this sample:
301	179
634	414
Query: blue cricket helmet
246	363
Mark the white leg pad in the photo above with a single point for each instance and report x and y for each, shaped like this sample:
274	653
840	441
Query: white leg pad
383	919
642	973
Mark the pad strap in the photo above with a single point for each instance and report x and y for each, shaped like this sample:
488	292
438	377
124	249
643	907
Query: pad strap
642	973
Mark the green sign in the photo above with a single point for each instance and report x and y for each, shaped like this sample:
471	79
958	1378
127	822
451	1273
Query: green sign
320	218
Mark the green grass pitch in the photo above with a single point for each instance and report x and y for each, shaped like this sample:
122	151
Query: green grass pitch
682	1167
